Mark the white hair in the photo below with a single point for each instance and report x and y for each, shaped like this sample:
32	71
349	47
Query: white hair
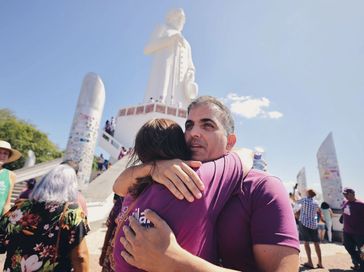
59	185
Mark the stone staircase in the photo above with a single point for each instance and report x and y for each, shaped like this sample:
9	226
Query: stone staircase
18	188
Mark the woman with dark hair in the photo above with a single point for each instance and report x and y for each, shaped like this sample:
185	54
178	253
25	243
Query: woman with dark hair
327	217
192	222
47	231
158	139
30	183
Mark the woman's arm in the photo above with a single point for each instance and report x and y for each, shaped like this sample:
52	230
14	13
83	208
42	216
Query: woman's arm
129	177
7	205
176	175
80	257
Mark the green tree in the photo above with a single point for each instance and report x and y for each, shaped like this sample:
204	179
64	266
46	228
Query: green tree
24	136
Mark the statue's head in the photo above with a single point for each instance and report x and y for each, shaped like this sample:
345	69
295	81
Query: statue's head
176	19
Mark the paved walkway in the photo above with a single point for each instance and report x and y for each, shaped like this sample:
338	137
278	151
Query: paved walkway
95	240
335	258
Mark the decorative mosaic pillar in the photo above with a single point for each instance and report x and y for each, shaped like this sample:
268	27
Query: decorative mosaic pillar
85	126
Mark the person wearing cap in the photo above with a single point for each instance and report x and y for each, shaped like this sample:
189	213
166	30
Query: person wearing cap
7	177
353	214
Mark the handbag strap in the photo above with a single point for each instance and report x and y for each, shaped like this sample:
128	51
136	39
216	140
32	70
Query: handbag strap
61	217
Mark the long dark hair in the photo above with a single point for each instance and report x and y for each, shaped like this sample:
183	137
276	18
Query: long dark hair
157	139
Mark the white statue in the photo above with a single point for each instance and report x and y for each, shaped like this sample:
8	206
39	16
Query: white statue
172	78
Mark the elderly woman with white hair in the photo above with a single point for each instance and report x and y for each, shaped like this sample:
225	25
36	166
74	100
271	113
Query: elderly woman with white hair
47	231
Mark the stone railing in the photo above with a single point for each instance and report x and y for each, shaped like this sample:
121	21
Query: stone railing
153	107
111	140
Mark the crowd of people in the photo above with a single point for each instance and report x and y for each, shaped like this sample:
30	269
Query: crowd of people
315	223
45	229
186	202
110	126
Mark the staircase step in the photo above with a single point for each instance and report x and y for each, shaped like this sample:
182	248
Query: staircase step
18	188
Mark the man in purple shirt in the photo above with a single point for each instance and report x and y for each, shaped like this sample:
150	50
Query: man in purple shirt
209	133
194	232
353	213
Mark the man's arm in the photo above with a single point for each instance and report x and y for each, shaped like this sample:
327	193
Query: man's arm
156	249
273	228
276	258
176	175
7	205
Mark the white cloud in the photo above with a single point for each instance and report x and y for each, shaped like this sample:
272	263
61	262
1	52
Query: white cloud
275	114
249	107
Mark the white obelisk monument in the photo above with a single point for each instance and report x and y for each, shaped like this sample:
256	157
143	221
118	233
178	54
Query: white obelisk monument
86	122
302	182
329	173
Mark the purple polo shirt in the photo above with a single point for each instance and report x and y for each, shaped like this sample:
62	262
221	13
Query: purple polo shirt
192	223
353	213
259	213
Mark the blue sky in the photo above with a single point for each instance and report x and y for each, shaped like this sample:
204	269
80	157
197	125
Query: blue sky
296	65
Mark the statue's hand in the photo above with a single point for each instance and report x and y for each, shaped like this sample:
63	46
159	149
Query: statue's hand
178	38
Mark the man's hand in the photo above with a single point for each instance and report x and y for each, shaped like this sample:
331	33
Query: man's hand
179	178
155	249
150	249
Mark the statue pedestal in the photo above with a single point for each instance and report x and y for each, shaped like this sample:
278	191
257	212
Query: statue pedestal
130	119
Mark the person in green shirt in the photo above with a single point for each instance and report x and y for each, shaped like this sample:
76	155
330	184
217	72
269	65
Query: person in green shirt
7	177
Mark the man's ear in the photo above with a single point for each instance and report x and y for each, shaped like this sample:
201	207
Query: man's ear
231	140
